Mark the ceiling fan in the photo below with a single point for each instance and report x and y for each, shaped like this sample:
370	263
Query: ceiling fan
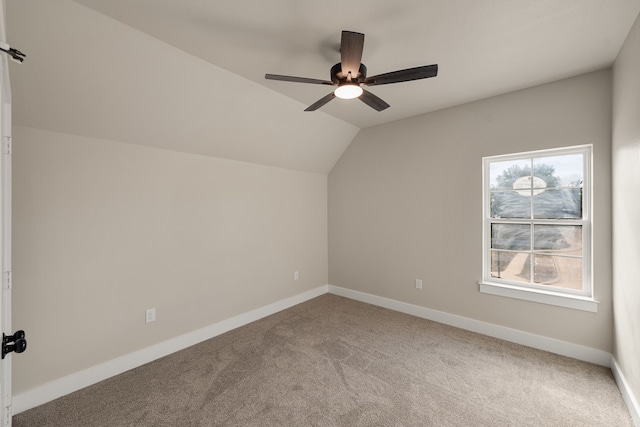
350	74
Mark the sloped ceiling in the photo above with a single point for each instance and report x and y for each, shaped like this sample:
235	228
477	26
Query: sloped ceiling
189	75
87	74
483	47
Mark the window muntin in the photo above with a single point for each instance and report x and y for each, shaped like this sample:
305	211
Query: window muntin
536	224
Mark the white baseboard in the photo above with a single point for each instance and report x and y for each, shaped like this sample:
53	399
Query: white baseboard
63	386
627	394
587	354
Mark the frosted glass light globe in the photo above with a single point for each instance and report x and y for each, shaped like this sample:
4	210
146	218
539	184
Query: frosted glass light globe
348	91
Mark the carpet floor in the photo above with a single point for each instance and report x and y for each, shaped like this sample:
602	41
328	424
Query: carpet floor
332	361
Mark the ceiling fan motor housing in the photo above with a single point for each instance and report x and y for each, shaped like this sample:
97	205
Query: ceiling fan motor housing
338	79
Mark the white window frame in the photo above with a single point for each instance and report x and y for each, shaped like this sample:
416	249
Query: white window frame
576	299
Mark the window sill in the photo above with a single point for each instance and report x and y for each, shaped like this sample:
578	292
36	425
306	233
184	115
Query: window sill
570	301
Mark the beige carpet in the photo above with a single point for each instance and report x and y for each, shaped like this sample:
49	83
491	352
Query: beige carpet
336	362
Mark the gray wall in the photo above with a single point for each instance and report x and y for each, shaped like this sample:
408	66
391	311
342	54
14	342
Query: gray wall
104	230
405	202
626	208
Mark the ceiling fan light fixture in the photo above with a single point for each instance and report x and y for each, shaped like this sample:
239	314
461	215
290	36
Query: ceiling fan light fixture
348	91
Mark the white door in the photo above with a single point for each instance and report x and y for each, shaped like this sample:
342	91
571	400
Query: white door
5	226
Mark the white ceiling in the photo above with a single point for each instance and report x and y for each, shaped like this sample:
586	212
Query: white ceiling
188	75
483	48
89	75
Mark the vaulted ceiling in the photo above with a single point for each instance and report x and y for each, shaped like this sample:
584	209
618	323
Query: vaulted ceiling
189	75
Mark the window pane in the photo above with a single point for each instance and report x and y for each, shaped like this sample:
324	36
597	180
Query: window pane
558	271
510	204
565	203
502	175
560	171
514	266
514	237
538	206
558	239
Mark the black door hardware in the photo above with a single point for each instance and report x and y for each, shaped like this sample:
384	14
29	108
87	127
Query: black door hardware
16	342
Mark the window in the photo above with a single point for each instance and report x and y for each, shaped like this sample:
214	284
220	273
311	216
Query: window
536	230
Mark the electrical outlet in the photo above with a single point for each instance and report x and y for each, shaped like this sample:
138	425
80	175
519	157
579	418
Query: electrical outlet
296	275
418	283
150	315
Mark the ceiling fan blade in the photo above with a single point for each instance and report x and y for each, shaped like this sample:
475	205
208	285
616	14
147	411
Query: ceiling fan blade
319	103
373	101
409	74
351	52
297	79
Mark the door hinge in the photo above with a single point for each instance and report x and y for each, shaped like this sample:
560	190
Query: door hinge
7	145
8	280
8	416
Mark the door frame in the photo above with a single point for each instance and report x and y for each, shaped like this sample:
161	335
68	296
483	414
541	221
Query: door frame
5	225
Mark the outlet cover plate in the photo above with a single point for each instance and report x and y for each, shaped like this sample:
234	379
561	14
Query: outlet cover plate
150	315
